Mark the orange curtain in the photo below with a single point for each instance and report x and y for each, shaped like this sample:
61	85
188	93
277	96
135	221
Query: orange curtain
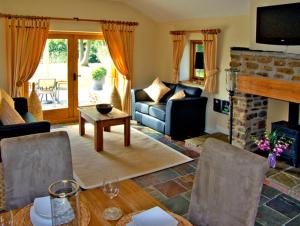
210	62
178	47
25	42
120	41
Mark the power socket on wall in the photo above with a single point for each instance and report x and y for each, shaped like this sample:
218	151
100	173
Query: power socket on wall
221	106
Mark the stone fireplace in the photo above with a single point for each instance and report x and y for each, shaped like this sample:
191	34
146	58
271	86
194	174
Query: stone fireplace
262	74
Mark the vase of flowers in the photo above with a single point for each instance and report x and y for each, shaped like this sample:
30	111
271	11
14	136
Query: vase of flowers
275	143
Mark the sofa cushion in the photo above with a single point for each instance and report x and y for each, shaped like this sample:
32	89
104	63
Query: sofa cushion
28	117
9	100
143	106
158	111
153	123
167	96
9	115
35	105
189	91
178	95
157	90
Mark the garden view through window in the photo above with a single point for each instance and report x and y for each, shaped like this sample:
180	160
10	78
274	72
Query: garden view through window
56	69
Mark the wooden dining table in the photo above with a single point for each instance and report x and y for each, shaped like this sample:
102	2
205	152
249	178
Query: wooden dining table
132	198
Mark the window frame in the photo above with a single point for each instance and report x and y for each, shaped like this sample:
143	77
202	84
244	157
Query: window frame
193	77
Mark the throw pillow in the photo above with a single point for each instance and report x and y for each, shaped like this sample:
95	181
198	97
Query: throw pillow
9	115
115	98
156	90
34	105
7	97
178	95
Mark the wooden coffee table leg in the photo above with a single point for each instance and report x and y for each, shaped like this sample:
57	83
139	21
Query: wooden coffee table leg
81	125
98	137
127	132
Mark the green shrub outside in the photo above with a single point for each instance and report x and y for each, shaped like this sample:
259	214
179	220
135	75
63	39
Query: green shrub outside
99	73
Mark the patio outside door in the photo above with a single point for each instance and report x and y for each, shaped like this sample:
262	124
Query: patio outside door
63	79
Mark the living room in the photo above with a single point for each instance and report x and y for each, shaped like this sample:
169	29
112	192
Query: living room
152	57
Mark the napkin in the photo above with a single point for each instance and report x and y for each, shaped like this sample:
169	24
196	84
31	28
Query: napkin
153	216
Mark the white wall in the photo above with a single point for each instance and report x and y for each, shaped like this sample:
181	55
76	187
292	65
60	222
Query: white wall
277	110
145	34
235	32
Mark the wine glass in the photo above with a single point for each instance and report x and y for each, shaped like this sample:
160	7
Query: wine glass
6	219
111	189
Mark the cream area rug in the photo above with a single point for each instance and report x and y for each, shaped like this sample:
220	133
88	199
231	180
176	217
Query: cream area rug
144	155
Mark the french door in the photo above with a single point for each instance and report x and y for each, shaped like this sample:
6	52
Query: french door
63	79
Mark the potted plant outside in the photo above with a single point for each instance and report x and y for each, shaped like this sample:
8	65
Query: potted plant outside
98	76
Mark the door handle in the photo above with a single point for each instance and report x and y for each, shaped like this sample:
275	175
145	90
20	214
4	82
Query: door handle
74	77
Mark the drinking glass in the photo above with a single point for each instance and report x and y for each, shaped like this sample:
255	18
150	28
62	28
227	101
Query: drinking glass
6	219
64	198
111	189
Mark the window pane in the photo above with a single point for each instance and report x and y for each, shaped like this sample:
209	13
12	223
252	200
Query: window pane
92	86
51	76
199	73
199	48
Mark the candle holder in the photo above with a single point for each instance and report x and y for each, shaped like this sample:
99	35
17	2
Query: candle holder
64	198
231	78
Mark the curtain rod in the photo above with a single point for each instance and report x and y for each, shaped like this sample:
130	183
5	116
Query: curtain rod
69	19
208	31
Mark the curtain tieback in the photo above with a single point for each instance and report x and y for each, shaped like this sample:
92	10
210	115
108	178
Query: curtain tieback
19	83
211	73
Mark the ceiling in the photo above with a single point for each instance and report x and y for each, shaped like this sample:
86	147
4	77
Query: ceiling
172	10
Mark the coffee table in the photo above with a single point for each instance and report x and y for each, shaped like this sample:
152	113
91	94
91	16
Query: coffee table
103	122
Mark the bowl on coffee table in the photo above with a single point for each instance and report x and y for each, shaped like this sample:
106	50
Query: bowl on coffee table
104	108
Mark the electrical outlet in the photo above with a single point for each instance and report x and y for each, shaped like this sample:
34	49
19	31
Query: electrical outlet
225	107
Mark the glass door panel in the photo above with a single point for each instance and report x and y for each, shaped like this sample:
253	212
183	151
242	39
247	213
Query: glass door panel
93	61
51	76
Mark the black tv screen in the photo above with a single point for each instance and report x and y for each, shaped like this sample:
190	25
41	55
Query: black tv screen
278	24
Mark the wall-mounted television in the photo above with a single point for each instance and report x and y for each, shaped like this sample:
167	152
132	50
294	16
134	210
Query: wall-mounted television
278	24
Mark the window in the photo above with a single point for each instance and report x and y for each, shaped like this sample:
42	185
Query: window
196	61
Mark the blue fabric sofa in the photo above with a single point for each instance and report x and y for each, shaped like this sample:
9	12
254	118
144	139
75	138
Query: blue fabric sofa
177	118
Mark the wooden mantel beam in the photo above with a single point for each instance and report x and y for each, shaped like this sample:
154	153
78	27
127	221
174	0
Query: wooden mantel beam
273	88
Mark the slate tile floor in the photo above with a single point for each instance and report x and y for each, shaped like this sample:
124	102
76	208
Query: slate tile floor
173	187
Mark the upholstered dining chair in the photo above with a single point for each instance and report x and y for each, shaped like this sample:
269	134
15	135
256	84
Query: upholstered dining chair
31	163
227	186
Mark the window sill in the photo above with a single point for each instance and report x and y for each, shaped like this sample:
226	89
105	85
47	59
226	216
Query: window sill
194	83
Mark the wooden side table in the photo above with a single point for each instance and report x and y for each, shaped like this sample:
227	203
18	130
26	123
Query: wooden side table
103	122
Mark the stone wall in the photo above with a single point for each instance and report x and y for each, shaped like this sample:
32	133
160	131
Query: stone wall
275	65
249	119
250	111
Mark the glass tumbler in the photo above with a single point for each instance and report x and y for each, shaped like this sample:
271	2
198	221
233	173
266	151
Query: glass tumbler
64	198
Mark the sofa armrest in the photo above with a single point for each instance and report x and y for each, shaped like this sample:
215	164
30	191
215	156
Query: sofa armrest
185	117
136	96
24	129
21	105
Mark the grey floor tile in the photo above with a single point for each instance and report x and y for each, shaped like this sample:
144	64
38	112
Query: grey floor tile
286	205
166	175
269	192
269	217
294	222
263	200
177	204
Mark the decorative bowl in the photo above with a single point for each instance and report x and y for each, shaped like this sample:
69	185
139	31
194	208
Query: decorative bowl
104	108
